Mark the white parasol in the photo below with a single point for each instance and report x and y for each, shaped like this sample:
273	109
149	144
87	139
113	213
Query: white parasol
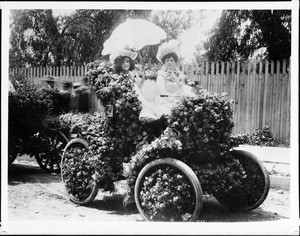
134	34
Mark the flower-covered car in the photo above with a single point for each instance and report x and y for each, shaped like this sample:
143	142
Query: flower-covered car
168	163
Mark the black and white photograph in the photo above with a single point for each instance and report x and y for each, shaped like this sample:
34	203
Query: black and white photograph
150	118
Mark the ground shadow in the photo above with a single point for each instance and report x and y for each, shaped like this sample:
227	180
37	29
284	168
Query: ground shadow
113	204
23	173
211	211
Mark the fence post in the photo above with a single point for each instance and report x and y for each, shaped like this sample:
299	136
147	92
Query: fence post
228	64
217	77
260	96
265	92
78	73
211	80
247	94
236	96
196	73
278	95
62	71
283	105
201	75
288	123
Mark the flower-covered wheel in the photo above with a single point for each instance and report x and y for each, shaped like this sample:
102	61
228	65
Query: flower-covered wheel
50	152
254	188
168	190
77	174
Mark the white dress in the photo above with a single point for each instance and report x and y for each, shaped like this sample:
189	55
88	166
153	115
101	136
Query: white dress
147	94
171	87
170	84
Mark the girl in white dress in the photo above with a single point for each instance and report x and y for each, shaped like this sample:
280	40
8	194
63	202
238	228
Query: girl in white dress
170	80
123	63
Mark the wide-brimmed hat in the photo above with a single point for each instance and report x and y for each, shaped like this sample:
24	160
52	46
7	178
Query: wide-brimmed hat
124	53
167	48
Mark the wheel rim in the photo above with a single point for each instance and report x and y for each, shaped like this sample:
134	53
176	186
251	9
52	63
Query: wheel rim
253	190
78	182
50	159
165	192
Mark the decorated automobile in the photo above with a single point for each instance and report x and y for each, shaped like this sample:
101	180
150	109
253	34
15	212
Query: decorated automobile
168	163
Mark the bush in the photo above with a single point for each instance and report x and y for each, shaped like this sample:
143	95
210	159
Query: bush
30	111
262	137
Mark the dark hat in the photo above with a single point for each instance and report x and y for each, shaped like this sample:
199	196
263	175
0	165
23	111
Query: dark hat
76	84
66	84
49	78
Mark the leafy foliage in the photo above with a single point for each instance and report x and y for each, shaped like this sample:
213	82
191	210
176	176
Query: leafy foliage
261	137
263	28
30	112
34	37
173	22
38	38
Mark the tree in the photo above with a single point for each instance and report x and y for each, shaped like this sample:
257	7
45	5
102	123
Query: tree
272	29
32	32
38	38
173	22
240	32
91	28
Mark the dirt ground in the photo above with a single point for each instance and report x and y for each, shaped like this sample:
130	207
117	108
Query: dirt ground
34	195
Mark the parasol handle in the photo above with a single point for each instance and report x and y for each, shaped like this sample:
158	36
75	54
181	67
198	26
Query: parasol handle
143	67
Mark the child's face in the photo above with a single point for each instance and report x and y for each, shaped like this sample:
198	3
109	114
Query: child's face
170	63
125	64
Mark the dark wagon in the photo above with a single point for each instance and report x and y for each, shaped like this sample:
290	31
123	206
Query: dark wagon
32	130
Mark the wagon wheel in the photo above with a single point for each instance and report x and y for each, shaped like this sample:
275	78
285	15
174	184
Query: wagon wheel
255	186
168	190
49	155
76	174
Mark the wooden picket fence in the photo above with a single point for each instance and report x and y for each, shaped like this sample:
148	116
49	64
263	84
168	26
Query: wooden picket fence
62	73
261	90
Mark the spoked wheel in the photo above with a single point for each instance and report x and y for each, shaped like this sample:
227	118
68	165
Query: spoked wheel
50	153
168	190
254	188
77	173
